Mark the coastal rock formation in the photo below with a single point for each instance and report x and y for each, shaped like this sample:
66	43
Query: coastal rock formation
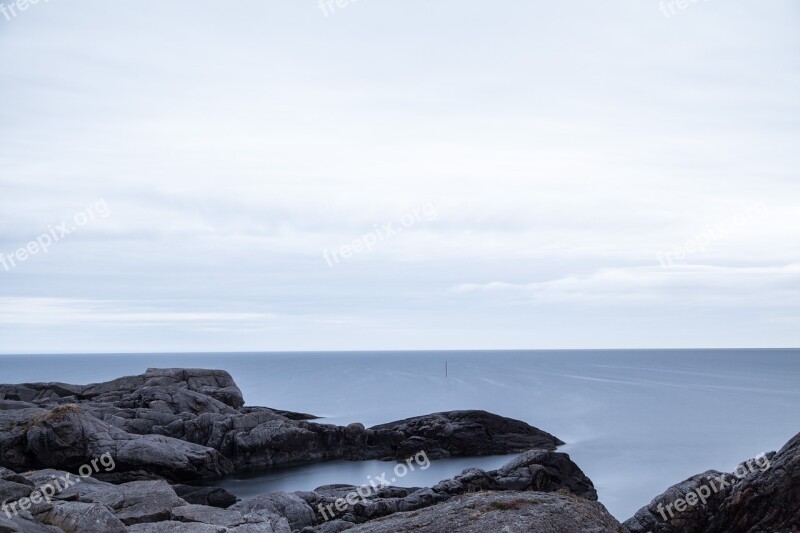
68	436
467	433
184	424
539	487
536	470
762	494
500	512
94	506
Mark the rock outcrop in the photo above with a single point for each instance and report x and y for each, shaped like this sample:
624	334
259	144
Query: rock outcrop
762	494
500	512
536	470
467	433
176	425
539	487
93	506
185	424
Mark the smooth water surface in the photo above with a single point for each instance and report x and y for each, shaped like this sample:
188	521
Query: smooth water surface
636	421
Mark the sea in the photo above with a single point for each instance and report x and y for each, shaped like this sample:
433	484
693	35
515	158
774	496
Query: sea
635	421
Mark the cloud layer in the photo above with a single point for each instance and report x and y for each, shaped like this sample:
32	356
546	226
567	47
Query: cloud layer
575	155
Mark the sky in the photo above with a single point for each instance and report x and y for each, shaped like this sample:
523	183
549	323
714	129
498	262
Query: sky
387	175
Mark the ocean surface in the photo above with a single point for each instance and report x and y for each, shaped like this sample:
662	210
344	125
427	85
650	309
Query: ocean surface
635	421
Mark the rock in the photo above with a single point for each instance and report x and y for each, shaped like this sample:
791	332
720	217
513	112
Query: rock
296	510
212	496
118	478
536	470
765	500
147	501
661	516
69	437
13	486
229	519
176	527
294	416
210	515
175	424
544	471
501	512
762	494
173	458
217	384
334	526
79	516
11	405
467	433
24	523
75	488
191	424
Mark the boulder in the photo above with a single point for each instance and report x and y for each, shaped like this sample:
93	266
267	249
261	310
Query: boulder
296	510
212	496
500	512
467	433
761	494
147	501
79	516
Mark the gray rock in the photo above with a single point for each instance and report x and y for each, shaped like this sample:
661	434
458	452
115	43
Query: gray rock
147	501
467	433
212	496
660	516
13	486
761	495
176	527
296	510
86	490
501	512
11	405
24	523
210	515
229	519
544	471
190	424
83	517
536	470
68	437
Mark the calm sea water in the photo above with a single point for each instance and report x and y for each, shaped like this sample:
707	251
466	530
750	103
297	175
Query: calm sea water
636	421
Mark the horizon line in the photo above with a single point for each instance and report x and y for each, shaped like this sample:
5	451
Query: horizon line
440	350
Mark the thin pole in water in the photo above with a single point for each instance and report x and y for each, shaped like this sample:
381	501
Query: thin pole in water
445	369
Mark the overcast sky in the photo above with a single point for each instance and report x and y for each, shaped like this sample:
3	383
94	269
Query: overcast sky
535	174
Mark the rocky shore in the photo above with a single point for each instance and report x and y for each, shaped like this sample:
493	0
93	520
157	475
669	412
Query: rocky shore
125	453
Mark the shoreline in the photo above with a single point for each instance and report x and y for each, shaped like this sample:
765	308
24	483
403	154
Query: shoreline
167	427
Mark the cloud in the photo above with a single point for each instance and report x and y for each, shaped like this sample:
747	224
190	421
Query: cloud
779	286
65	311
560	147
